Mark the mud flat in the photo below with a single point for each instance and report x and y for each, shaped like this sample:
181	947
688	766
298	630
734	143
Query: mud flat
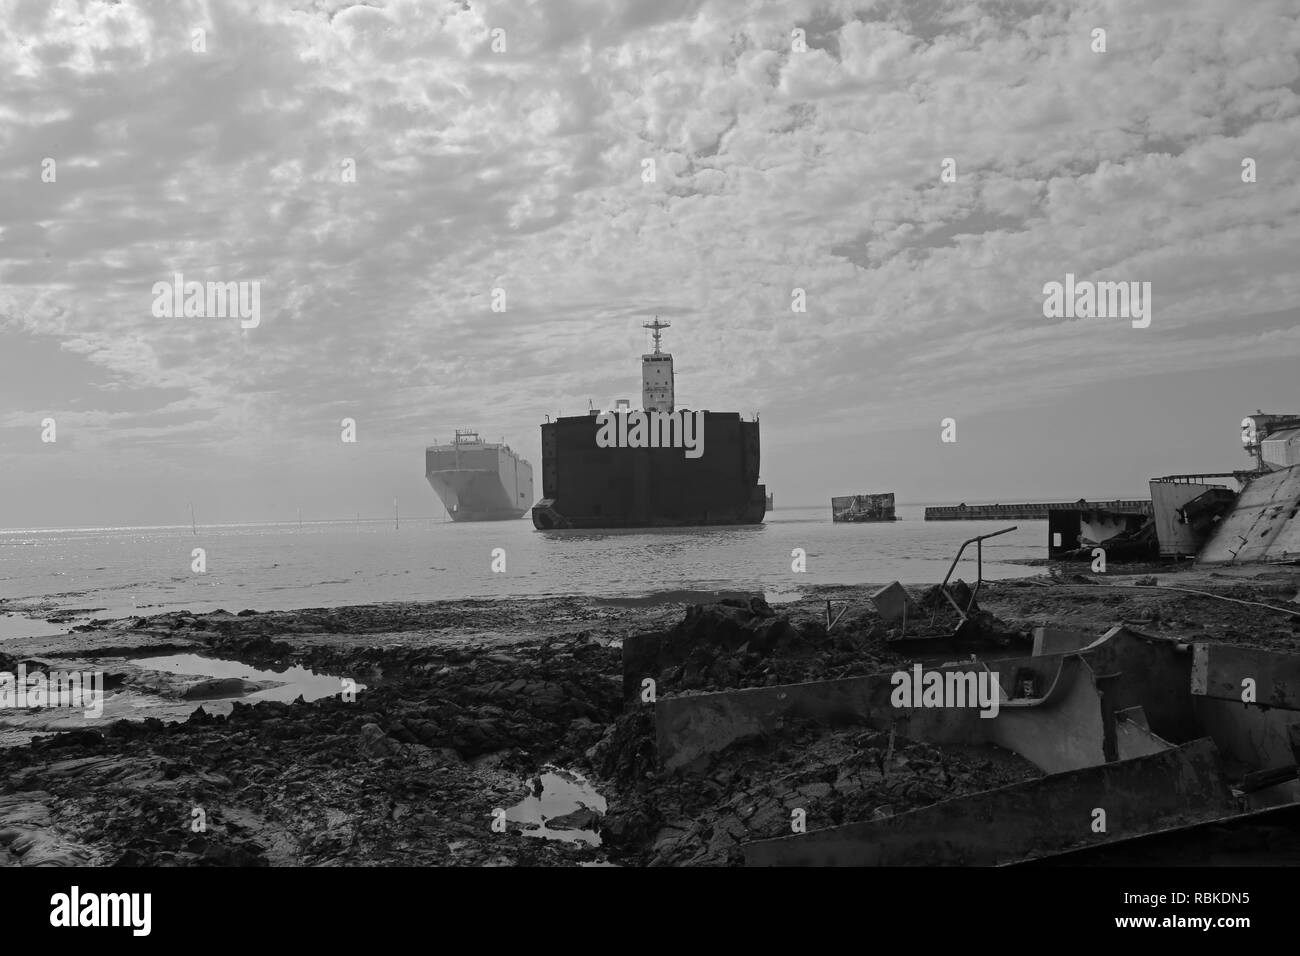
511	732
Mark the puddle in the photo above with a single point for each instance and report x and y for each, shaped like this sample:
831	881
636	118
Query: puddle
294	681
20	627
567	807
18	725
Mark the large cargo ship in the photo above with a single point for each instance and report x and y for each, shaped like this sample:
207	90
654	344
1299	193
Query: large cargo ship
657	467
478	480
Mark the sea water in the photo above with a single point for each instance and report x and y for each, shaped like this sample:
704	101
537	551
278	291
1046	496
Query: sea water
124	571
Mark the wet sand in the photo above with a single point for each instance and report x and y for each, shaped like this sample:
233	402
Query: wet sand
495	732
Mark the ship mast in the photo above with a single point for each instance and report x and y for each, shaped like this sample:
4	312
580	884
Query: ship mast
657	327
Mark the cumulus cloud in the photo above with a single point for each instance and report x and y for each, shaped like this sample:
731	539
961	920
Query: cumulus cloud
521	168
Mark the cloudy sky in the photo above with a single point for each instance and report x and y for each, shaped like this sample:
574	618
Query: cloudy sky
522	169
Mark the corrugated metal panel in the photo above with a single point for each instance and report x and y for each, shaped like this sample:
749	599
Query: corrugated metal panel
1264	525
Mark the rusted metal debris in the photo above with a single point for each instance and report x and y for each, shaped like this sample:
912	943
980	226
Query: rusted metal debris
860	508
978	541
1155	733
1054	814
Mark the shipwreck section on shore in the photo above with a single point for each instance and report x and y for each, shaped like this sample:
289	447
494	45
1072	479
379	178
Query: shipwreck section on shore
1192	515
1186	509
1262	524
861	508
1128	734
1259	525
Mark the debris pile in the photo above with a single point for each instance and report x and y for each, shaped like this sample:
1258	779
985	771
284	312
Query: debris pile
1097	739
717	734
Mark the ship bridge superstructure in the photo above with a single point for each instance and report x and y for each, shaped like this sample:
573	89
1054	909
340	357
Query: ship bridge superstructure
657	376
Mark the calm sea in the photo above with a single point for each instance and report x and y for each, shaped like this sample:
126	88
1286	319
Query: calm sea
124	571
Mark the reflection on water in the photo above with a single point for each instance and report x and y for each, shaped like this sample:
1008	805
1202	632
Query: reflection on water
298	681
673	535
561	805
19	625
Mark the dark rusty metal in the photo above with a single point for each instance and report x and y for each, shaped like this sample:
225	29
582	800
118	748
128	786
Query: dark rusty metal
978	541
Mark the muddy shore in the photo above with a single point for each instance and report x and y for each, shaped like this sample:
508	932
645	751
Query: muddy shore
474	707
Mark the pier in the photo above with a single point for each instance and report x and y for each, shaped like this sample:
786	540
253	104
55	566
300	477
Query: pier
1032	510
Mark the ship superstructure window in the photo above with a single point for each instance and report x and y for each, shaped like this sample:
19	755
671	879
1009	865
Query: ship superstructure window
657	382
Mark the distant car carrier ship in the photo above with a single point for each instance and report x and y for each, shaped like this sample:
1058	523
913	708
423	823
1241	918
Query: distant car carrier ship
479	481
585	485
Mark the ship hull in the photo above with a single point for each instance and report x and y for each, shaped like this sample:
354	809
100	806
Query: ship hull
480	483
585	486
463	515
859	509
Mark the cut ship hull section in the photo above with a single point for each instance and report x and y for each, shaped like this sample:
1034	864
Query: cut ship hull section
585	486
589	482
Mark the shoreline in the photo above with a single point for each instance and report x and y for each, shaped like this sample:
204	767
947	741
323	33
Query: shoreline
467	703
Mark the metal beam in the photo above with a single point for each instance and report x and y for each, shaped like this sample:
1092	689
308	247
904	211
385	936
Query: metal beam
1220	670
1042	817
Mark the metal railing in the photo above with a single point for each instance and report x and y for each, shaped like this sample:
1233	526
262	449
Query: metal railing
978	541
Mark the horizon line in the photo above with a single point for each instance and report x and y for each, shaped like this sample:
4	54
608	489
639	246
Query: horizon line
48	529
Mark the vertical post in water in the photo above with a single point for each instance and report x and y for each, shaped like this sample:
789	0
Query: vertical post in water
395	522
193	527
299	519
